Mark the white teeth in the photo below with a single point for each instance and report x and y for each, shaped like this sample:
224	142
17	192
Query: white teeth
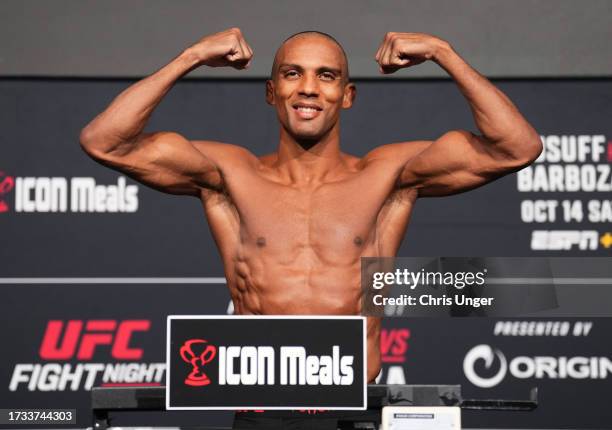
306	109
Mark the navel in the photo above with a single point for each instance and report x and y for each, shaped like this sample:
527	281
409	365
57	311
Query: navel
358	241
260	242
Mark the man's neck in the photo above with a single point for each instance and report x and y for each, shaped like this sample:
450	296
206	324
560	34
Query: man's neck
309	162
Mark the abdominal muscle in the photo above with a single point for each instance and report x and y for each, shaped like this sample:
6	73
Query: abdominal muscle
263	287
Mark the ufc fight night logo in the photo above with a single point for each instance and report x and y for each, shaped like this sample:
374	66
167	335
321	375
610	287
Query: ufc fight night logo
80	354
83	343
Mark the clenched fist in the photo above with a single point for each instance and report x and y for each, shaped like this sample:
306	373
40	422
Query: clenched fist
225	49
399	50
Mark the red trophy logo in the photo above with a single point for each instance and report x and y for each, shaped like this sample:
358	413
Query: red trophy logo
197	377
6	184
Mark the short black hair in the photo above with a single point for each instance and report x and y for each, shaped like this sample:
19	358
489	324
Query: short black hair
318	33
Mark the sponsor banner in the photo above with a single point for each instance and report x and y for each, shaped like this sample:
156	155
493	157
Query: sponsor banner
67	353
566	193
487	365
60	194
61	340
573	384
491	286
266	362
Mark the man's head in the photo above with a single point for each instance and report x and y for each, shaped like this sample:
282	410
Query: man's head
309	85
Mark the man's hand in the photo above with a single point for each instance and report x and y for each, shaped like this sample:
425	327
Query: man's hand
399	50
225	49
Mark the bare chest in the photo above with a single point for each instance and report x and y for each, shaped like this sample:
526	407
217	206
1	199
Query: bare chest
336	220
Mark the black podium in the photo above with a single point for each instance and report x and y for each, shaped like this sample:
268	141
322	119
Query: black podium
105	401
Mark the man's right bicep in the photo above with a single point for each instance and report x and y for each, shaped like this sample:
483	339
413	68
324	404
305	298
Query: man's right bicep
165	161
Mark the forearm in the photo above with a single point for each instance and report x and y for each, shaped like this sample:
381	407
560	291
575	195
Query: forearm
495	115
126	117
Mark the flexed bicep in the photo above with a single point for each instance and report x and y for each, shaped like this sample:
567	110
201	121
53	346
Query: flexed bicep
459	160
456	162
165	161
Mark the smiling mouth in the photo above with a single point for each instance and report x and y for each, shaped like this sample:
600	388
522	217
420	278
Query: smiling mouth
307	111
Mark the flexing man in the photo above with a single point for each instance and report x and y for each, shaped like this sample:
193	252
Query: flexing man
292	226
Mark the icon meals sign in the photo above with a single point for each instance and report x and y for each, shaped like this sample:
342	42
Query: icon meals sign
266	362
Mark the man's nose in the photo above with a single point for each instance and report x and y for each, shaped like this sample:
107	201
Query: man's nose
309	85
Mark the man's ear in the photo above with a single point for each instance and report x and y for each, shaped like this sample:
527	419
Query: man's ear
350	91
270	92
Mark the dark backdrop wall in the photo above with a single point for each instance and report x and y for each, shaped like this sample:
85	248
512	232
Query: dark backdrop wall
132	255
117	38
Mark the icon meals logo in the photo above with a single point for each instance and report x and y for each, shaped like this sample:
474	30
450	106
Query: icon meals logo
197	377
257	365
6	184
266	362
63	194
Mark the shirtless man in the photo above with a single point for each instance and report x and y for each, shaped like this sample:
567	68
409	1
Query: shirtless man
292	226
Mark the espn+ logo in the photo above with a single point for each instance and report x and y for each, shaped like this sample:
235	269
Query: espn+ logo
259	365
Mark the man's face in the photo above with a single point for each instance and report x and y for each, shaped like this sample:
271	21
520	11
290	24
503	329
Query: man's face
309	86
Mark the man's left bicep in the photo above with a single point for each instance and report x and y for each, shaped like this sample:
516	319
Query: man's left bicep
457	161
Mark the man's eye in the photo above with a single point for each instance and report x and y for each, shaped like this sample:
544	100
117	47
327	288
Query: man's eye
291	73
328	76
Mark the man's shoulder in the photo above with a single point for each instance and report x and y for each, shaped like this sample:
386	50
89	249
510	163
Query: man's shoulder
396	152
224	153
268	159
